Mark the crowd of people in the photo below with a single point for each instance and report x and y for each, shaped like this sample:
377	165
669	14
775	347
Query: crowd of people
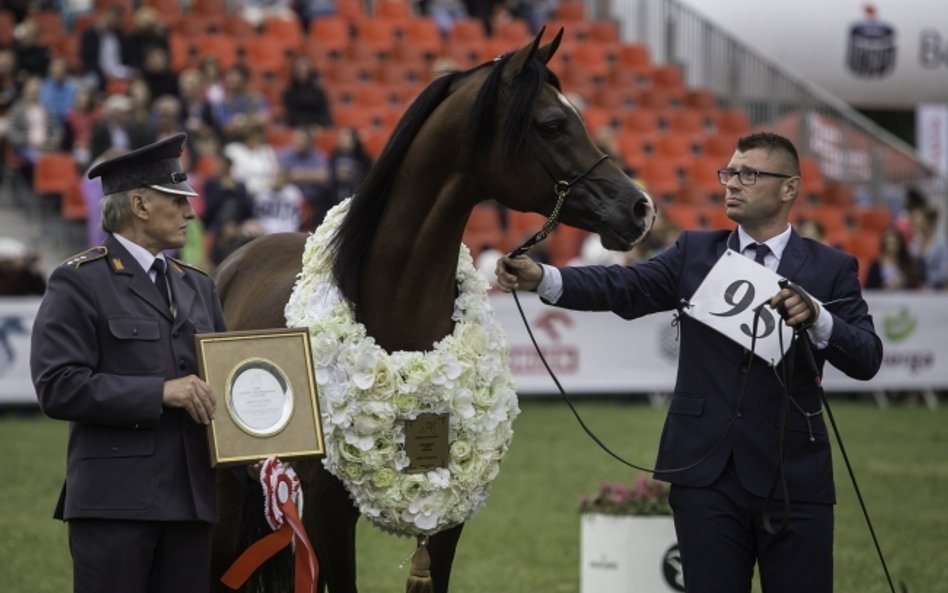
124	93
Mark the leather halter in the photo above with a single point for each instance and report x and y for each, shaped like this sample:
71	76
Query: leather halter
561	189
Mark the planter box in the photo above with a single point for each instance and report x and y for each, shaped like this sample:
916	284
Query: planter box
629	554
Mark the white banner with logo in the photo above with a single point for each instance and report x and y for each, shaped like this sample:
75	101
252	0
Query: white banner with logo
595	353
602	353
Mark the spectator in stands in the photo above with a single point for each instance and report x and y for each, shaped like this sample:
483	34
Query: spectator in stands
20	270
58	93
238	100
279	208
307	167
254	161
348	164
79	123
914	200
166	116
930	246
9	85
117	129
102	48
148	32
33	129
895	268
195	109
212	80
257	11
534	12
158	75
304	99
445	12
228	209
307	10
734	464
31	55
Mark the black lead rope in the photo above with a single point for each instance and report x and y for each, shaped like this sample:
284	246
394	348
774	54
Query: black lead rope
801	340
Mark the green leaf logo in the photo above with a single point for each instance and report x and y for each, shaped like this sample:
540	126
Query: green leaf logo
899	325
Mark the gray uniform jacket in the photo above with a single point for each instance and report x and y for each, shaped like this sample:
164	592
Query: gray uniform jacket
103	345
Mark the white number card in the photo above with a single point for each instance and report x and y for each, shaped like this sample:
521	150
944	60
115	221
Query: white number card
729	298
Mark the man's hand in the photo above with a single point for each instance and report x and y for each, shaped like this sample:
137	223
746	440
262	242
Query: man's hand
518	273
793	308
192	394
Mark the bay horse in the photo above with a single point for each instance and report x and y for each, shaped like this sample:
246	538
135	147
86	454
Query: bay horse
502	130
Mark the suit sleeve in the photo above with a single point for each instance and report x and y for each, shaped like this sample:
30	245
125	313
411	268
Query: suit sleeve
854	347
65	356
628	291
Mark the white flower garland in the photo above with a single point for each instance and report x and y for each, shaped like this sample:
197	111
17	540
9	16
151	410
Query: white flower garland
366	394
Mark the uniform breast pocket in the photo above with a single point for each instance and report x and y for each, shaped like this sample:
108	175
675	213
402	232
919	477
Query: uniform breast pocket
115	469
134	346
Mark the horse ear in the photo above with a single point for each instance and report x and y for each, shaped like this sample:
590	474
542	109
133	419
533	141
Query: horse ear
545	53
523	56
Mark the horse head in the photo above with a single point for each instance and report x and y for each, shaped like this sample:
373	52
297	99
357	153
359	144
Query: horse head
538	151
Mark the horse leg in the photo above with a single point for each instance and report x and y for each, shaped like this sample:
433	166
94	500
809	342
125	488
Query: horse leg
231	493
441	548
330	519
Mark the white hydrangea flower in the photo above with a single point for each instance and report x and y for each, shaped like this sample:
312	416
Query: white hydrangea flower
367	395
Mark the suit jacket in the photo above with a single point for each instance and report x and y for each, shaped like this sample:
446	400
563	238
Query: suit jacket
707	397
103	345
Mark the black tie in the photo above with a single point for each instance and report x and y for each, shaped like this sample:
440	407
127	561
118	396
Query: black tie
760	251
161	281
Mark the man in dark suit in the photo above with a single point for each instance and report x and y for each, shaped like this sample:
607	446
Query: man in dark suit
721	445
113	353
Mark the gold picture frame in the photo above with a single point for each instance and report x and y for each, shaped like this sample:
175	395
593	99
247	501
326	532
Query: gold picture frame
266	395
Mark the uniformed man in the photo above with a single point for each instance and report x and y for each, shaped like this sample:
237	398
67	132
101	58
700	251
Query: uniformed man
113	353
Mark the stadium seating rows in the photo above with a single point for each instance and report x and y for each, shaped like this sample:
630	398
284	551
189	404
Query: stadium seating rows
670	136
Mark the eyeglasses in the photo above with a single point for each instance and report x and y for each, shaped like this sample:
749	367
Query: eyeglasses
747	176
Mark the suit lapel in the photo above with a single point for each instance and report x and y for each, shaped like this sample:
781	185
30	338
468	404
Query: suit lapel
793	258
183	293
123	264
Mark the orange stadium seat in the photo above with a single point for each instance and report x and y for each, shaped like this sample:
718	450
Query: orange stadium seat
328	36
393	9
838	193
570	10
812	184
631	151
421	40
265	53
660	178
7	25
702	178
221	46
351	10
734	121
55	173
209	7
373	37
516	32
873	219
286	30
238	27
467	31
684	217
483	229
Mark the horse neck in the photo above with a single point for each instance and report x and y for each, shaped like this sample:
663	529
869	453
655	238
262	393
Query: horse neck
408	285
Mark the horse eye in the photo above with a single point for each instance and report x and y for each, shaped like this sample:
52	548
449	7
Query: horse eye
551	127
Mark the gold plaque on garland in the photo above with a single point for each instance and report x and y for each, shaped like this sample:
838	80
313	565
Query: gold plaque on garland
426	442
266	395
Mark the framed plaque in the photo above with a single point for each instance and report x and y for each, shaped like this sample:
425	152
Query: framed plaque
266	395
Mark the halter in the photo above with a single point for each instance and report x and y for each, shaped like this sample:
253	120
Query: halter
561	189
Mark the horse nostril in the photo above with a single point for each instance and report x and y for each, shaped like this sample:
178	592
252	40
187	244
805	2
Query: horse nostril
642	208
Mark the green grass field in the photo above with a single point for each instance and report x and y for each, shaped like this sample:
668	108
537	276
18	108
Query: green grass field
527	537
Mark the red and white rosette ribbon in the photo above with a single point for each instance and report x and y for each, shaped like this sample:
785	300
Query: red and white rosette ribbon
281	491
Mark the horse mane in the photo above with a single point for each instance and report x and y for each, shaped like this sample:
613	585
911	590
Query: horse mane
350	245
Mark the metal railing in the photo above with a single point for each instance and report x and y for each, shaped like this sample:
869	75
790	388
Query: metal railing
849	147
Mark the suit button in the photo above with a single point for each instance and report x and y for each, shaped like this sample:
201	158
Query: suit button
182	365
115	449
134	331
740	414
174	334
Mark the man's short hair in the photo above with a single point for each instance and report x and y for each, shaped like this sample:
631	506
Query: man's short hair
772	143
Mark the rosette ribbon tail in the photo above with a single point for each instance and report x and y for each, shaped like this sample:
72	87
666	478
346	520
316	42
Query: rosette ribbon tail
419	578
281	489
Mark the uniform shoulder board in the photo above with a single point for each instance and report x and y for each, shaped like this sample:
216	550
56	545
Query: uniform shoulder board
84	257
189	266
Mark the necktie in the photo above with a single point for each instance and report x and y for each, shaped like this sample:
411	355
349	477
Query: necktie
161	282
760	251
